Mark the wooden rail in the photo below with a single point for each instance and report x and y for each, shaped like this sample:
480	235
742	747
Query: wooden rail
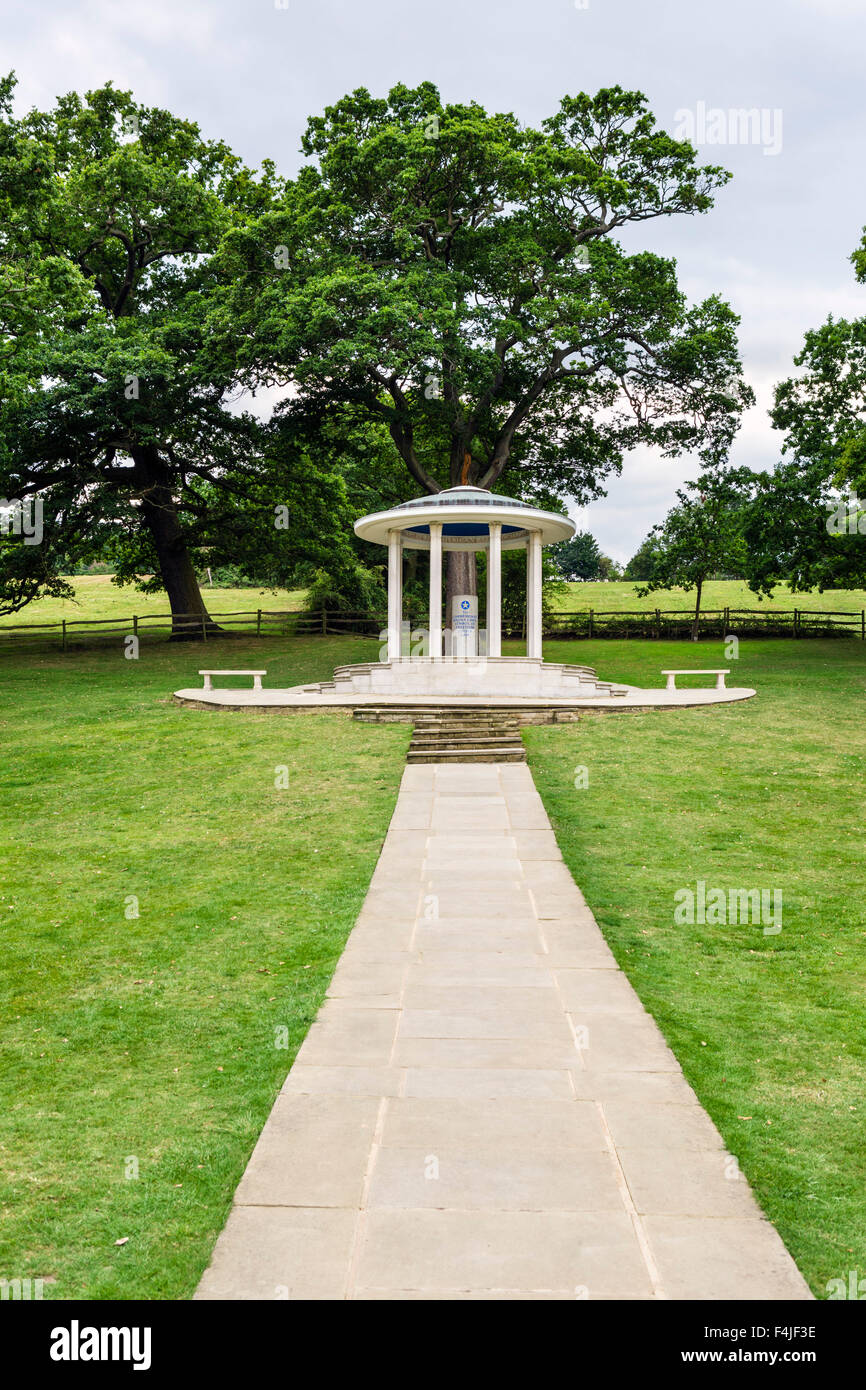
670	623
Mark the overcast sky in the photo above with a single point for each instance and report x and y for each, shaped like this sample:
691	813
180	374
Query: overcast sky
776	246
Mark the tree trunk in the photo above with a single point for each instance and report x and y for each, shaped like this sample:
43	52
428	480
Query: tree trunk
697	617
189	615
460	577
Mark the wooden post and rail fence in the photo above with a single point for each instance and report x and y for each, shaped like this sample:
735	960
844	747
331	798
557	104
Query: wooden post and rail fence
589	623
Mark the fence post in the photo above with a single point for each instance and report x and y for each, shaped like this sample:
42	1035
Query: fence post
203	627
796	622
658	624
258	622
135	623
590	622
324	622
64	634
863	624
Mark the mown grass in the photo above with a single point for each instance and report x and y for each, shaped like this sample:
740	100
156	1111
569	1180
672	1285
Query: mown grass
619	595
769	1029
153	1037
148	1043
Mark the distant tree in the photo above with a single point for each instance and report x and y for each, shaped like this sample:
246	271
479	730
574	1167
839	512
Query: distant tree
642	563
578	558
700	538
608	568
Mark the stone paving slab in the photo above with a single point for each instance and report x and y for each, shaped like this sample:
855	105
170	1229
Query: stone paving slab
483	1109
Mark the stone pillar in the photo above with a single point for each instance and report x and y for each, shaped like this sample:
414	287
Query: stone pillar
435	605
395	594
533	595
494	590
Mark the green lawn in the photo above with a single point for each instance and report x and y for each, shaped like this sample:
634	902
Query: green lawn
153	1037
770	1030
151	1040
730	593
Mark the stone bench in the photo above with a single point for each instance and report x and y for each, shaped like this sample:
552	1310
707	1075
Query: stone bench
256	675
713	671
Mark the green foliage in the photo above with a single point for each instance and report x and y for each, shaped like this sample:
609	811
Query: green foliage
227	577
354	589
579	558
608	569
453	276
111	215
701	538
790	526
642	563
441	286
787	540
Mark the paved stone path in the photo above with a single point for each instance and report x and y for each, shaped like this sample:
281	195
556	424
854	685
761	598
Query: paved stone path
483	1108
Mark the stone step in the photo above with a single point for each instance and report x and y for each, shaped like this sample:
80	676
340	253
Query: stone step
483	731
489	725
469	716
487	730
446	730
464	740
466	726
467	755
466	736
410	714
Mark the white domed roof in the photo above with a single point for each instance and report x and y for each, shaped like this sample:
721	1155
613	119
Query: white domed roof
465	513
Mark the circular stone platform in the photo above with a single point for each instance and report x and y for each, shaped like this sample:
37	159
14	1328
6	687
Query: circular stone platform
302	697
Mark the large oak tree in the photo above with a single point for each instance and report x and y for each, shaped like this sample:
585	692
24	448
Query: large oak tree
457	276
110	215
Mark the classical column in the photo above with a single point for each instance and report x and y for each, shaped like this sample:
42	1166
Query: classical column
395	594
533	594
435	606
530	606
494	590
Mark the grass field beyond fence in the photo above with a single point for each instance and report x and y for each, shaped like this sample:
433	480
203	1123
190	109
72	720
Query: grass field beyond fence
717	593
96	597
